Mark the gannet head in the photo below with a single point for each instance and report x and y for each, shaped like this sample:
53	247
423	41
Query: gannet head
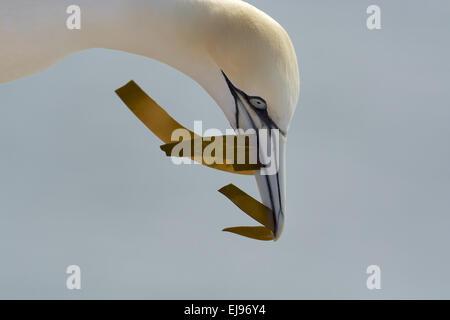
260	69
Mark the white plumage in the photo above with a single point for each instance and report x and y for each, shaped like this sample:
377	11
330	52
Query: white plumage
200	38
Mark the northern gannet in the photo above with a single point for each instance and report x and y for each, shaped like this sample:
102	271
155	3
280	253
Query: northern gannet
242	57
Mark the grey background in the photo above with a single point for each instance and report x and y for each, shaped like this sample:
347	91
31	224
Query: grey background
83	182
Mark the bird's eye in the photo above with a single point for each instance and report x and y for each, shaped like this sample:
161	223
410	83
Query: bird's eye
258	103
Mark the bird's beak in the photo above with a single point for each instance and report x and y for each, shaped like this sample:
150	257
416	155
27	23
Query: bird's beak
271	154
271	181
